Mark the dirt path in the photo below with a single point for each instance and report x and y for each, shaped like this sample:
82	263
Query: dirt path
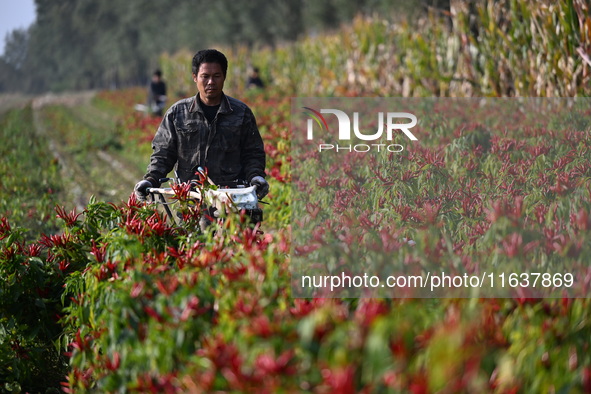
13	100
95	172
69	169
66	99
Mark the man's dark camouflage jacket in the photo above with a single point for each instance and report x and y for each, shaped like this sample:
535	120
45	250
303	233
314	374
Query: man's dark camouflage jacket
230	147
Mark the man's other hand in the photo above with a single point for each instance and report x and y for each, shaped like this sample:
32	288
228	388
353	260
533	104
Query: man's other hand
140	189
262	186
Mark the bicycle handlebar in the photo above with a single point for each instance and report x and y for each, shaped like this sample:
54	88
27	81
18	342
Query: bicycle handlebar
168	191
197	194
240	198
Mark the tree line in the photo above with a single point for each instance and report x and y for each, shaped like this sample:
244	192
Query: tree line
87	44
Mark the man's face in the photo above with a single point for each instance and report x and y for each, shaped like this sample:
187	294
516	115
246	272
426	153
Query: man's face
210	82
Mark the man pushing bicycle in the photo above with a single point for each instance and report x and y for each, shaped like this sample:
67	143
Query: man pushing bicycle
211	131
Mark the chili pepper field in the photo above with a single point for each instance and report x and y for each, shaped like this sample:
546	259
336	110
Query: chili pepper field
99	292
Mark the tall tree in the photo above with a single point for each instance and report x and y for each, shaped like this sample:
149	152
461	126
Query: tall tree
81	44
16	46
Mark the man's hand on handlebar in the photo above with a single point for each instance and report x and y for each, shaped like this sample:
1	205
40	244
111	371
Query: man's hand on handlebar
140	189
261	184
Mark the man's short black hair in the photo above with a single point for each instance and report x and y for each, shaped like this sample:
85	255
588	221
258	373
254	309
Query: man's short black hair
210	56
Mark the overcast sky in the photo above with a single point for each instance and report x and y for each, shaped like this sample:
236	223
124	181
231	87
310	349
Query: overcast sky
15	14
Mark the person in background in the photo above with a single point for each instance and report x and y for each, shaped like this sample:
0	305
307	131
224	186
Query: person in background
157	94
254	79
210	130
